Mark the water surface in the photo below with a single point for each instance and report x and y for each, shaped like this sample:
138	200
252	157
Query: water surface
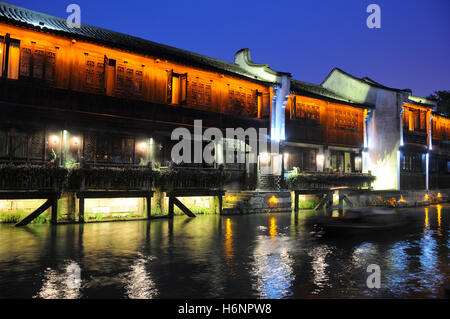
256	256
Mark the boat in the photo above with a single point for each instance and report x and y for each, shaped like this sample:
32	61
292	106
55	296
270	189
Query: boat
363	220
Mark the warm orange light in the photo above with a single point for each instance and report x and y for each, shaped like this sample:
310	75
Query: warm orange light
75	141
439	230
230	198
273	227
402	199
228	240
426	197
273	200
439	195
54	139
142	146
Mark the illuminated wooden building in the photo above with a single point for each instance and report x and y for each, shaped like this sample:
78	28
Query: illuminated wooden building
104	98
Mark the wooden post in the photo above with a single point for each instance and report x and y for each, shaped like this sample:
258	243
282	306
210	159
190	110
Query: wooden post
341	201
149	206
296	201
54	203
171	207
81	210
220	200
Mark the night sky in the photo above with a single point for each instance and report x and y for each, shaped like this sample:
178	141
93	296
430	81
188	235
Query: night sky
306	38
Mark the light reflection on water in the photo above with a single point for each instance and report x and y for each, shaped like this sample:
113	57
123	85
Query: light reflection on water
272	264
61	284
258	256
138	282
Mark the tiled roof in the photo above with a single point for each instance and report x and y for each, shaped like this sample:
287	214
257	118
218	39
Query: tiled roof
318	91
43	22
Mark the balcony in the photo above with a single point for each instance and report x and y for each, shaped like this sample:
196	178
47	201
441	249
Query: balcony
324	181
28	178
414	137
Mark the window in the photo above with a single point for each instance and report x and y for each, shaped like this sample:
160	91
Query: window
108	149
345	162
415	120
129	80
2	55
94	73
22	145
412	162
304	111
348	120
199	92
303	158
243	101
9	57
176	88
38	63
13	60
4	142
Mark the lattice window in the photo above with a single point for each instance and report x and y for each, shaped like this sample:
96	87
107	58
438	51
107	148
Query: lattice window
129	80
138	82
20	145
305	111
90	145
95	73
108	148
4	141
120	81
243	100
347	120
127	150
25	62
90	73
37	141
50	66
38	63
200	93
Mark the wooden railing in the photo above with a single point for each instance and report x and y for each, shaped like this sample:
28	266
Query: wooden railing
198	178
321	180
415	137
32	178
94	178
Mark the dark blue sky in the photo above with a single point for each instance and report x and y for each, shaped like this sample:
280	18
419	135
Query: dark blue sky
304	37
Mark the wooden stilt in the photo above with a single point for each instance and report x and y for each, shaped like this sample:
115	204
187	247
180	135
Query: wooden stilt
341	201
347	201
327	200
149	206
220	200
171	207
296	198
180	205
54	219
36	213
81	210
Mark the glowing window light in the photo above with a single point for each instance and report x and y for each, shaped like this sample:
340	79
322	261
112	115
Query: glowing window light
426	197
402	200
264	157
439	195
273	200
320	159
